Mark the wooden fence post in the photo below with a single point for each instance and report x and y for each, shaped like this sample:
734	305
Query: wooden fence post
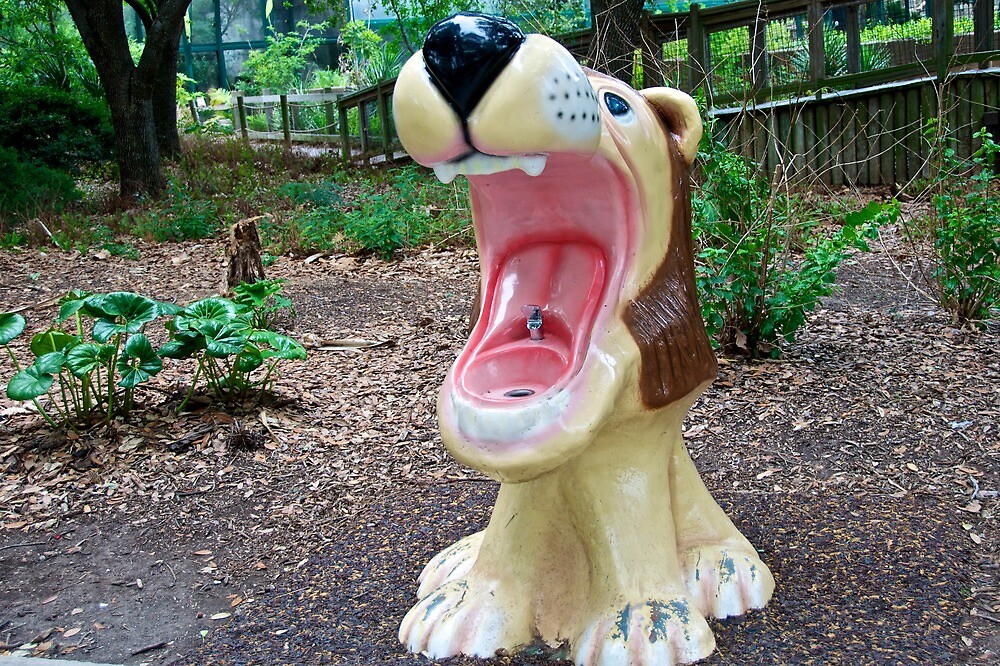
383	111
697	71
652	54
817	49
345	133
195	116
758	52
240	116
944	35
286	125
982	11
853	34
330	117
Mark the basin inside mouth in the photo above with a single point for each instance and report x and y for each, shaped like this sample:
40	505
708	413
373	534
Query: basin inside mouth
565	281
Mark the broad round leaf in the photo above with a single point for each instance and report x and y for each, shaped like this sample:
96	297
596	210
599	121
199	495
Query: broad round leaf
197	314
249	359
183	345
51	341
130	307
51	363
283	346
104	330
11	326
168	309
222	339
138	361
29	384
85	358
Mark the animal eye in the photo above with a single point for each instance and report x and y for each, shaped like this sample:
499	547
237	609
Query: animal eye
616	105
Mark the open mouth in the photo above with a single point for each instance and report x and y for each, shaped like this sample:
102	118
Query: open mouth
553	244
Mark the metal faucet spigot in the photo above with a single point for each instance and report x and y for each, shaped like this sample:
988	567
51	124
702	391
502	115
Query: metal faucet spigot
534	315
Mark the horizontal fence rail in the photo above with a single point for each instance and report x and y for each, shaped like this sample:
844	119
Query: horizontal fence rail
834	91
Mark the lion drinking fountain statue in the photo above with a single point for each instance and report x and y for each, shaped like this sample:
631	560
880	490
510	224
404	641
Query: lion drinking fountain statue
586	352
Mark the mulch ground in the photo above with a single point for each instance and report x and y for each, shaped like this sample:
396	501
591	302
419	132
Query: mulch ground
864	464
859	582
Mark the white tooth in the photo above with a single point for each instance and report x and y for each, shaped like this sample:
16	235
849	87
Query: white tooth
480	164
533	165
446	172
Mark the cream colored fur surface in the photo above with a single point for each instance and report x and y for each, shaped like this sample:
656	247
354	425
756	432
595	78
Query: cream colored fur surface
604	538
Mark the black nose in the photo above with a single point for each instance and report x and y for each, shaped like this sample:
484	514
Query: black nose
465	53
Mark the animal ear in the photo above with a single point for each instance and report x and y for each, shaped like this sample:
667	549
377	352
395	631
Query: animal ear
680	115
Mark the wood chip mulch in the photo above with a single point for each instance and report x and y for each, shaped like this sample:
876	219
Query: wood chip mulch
865	464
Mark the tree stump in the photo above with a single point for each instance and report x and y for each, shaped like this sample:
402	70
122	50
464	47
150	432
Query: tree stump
245	264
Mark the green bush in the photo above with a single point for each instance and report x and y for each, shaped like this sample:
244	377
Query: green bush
760	268
55	128
965	229
27	189
185	217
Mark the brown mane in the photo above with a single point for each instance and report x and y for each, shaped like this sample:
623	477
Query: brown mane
665	320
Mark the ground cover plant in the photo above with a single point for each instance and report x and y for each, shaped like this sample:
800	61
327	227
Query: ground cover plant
88	364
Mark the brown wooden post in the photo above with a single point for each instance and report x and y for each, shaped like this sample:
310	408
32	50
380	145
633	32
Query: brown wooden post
817	55
697	69
944	35
853	34
330	117
984	21
345	132
195	116
383	111
286	124
652	55
240	115
758	53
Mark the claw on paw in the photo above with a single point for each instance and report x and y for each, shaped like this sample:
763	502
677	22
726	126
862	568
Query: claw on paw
725	582
651	632
452	563
463	616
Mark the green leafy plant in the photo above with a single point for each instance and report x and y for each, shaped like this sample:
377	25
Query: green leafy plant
283	65
27	189
964	270
760	270
235	356
90	362
265	301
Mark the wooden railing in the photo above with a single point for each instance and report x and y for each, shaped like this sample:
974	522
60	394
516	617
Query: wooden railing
359	123
764	70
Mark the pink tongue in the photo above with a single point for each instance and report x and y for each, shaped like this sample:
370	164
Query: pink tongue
566	280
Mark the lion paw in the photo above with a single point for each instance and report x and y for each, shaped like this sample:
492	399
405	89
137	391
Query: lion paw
465	616
452	563
726	581
650	633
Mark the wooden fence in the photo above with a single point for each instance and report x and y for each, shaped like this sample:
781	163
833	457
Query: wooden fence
359	123
791	84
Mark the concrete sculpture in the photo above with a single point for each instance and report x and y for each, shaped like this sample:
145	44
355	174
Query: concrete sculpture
586	352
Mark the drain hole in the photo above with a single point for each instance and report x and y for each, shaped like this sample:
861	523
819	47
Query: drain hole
518	393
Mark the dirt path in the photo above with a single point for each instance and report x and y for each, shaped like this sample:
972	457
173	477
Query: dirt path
871	448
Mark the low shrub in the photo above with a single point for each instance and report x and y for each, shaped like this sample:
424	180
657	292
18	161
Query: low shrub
964	270
55	128
26	189
761	267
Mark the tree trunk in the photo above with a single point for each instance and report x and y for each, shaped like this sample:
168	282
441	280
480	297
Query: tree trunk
165	102
139	169
136	94
616	36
